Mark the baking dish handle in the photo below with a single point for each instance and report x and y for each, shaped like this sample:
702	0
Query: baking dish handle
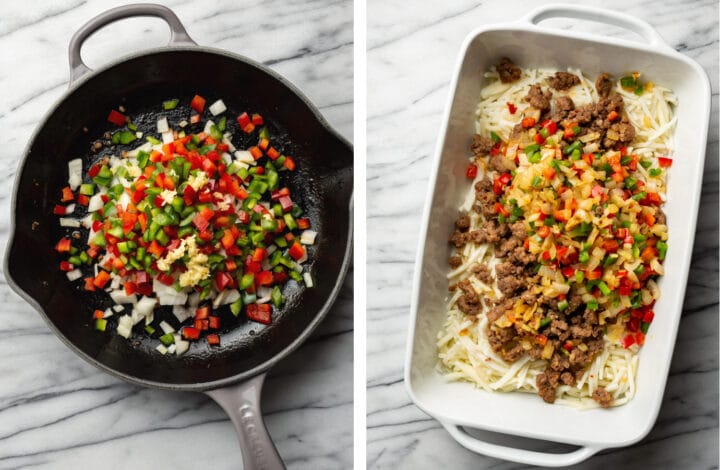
178	34
527	457
600	15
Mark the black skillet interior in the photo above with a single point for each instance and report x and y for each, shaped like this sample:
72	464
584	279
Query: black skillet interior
322	185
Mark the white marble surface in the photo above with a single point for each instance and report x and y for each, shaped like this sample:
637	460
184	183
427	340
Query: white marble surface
411	55
58	412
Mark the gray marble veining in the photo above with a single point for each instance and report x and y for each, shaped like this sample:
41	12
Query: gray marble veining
58	412
412	48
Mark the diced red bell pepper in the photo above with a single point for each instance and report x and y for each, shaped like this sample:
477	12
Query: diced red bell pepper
648	316
303	223
471	171
190	332
130	288
213	339
610	246
166	279
511	107
612	116
67	194
202	312
255	152
201	324
200	222
257	120
259	254
155	249
543	231
259	313
278	193
296	251
628	341
264	278
117	118
594	274
101	279
63	245
289	163
59	210
500	182
624	290
198	103
214	322
89	283
253	266
527	122
205	235
272	153
664	162
550	125
567	346
286	203
243	120
227	239
65	266
539	139
640	338
568	272
223	280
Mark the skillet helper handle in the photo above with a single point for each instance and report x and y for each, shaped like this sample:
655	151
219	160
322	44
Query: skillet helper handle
242	403
178	34
527	457
600	15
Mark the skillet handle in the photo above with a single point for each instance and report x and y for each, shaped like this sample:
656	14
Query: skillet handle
242	403
513	454
600	15
178	34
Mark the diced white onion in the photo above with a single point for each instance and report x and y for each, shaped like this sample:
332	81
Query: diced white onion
227	158
217	107
181	346
115	283
226	140
263	294
124	326
181	312
149	318
75	173
308	237
120	297
118	308
167	137
139	134
69	222
171	348
96	203
166	327
194	300
145	305
69	209
108	313
308	280
161	349
208	126
243	156
183	123
162	125
74	275
167	295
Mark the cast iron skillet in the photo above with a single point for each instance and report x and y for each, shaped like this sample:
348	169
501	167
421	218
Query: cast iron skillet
232	374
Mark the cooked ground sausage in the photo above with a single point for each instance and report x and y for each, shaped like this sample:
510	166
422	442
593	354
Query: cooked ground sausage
458	239
483	273
561	108
455	261
563	81
508	71
601	396
481	145
603	85
462	222
545	389
538	98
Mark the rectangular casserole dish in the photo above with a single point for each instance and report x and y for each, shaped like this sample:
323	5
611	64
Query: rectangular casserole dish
457	404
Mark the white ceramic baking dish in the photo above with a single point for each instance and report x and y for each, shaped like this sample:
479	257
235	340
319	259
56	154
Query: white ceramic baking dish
457	405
